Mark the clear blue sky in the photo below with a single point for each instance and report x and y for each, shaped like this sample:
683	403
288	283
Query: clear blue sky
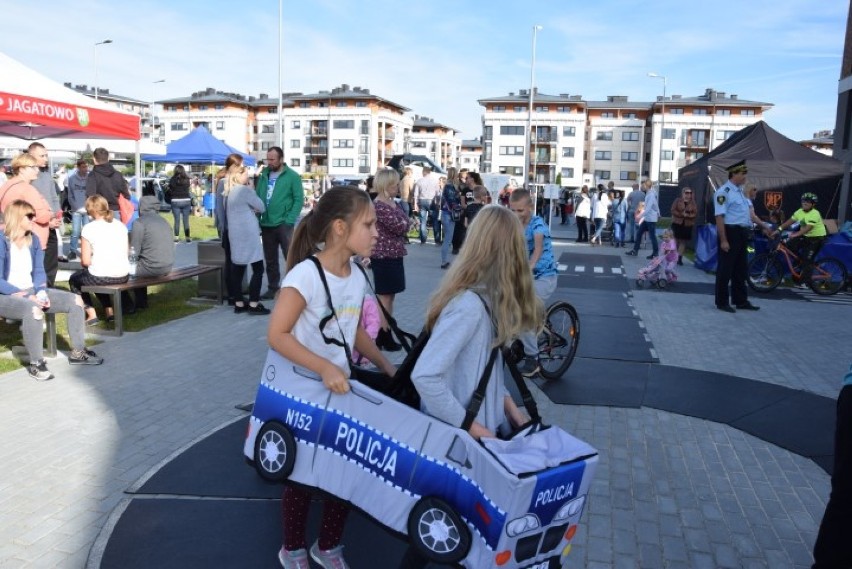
439	57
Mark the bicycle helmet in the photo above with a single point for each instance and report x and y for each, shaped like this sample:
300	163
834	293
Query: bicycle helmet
810	197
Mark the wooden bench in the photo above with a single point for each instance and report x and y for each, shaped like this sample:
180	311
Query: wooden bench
175	275
50	320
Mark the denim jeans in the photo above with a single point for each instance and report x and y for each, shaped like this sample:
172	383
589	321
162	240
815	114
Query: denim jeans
630	227
618	232
449	226
651	228
78	220
181	210
425	209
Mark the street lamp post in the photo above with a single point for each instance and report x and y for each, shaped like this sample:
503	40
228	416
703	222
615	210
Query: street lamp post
280	94
662	125
95	52
153	84
527	185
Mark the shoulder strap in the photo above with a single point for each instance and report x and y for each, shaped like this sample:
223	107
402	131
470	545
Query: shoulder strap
333	314
479	394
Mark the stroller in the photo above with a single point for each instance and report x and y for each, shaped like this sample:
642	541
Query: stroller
659	273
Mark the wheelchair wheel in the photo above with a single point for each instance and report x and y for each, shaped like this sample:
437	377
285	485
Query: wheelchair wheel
828	276
559	340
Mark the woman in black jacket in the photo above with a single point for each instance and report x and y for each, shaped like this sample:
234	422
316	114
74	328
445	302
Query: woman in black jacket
181	201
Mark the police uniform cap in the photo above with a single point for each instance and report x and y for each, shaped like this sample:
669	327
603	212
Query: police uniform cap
738	168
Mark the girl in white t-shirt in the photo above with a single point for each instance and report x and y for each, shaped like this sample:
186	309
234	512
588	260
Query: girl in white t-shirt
344	224
103	254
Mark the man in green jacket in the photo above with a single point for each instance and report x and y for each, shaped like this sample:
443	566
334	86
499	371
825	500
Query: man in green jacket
280	188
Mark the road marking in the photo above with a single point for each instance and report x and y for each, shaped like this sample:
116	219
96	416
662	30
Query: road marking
616	270
579	269
598	270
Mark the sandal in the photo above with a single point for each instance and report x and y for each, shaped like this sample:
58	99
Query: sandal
93	321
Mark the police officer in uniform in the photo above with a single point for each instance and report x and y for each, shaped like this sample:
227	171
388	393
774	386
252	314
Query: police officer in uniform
733	225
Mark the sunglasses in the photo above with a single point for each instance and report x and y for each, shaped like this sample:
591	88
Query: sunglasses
30	216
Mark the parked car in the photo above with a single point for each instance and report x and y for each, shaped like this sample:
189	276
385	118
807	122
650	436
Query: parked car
416	161
457	500
158	186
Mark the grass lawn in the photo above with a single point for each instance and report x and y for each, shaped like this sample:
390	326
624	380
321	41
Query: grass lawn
165	303
200	228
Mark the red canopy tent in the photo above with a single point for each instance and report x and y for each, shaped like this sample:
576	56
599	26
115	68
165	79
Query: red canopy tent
34	107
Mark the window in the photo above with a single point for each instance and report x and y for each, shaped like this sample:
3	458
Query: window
177	126
519	108
344	124
624	175
418	144
699	112
364	145
295	143
607	115
604	135
669	133
171	108
360	103
265	145
724	134
340	104
602	174
568	152
676	111
747	112
203	107
186	108
488	133
271	110
630	136
296	124
569	130
267	129
603	155
563	109
512	130
542	109
322	104
723	112
630	115
630	156
567	172
220	125
499	108
343	143
668	154
295	162
665	176
342	162
304	105
221	107
511	150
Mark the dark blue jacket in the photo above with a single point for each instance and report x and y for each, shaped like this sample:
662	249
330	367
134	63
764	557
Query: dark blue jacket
39	276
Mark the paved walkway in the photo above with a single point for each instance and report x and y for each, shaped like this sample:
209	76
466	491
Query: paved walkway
671	491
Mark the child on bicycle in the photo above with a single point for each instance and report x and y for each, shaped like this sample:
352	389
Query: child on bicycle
302	330
542	263
808	238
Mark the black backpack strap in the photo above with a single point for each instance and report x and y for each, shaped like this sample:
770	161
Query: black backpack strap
479	393
333	314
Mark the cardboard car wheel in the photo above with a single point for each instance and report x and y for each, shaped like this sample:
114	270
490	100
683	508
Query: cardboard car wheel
275	452
437	532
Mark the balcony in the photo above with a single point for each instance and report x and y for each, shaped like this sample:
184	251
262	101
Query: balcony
363	169
390	135
316	131
317	150
544	138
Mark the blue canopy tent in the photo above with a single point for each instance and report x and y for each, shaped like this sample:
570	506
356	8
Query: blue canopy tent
198	147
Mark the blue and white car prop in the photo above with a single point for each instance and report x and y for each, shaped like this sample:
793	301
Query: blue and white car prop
458	501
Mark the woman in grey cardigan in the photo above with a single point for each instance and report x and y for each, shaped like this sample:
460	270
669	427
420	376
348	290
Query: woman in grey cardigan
242	207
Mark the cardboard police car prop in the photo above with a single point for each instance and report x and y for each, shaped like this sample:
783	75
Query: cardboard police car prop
457	500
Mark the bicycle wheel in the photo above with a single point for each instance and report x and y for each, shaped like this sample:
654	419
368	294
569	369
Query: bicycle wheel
559	340
828	276
764	273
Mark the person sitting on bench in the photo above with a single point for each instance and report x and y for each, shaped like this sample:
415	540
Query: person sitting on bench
24	294
151	238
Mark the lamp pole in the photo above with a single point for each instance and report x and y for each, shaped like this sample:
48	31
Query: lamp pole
280	94
95	52
662	125
527	185
153	85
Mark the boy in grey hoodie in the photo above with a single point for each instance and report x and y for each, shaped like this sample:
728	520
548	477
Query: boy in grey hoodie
151	237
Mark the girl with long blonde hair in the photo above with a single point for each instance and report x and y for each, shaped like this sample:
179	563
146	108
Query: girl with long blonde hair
486	300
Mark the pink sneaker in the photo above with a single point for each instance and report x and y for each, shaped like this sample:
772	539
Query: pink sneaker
329	559
293	559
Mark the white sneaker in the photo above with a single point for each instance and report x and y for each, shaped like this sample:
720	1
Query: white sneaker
293	559
329	559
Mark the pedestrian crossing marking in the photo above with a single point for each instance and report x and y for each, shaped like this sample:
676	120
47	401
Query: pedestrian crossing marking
599	270
579	269
616	271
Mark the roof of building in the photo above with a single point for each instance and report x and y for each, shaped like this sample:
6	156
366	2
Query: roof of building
710	97
472	144
523	96
346	92
427	122
104	94
211	95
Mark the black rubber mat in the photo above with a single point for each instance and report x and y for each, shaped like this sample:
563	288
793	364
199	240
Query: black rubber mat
608	338
591	303
199	534
213	467
599	382
579	272
685	287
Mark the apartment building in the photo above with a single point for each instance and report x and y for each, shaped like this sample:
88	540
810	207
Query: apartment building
228	116
141	108
435	140
612	140
822	142
470	155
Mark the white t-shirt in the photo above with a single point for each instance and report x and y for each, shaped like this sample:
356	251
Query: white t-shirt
347	295
20	267
109	248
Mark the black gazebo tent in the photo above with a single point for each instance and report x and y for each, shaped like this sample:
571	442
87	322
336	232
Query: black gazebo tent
780	167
